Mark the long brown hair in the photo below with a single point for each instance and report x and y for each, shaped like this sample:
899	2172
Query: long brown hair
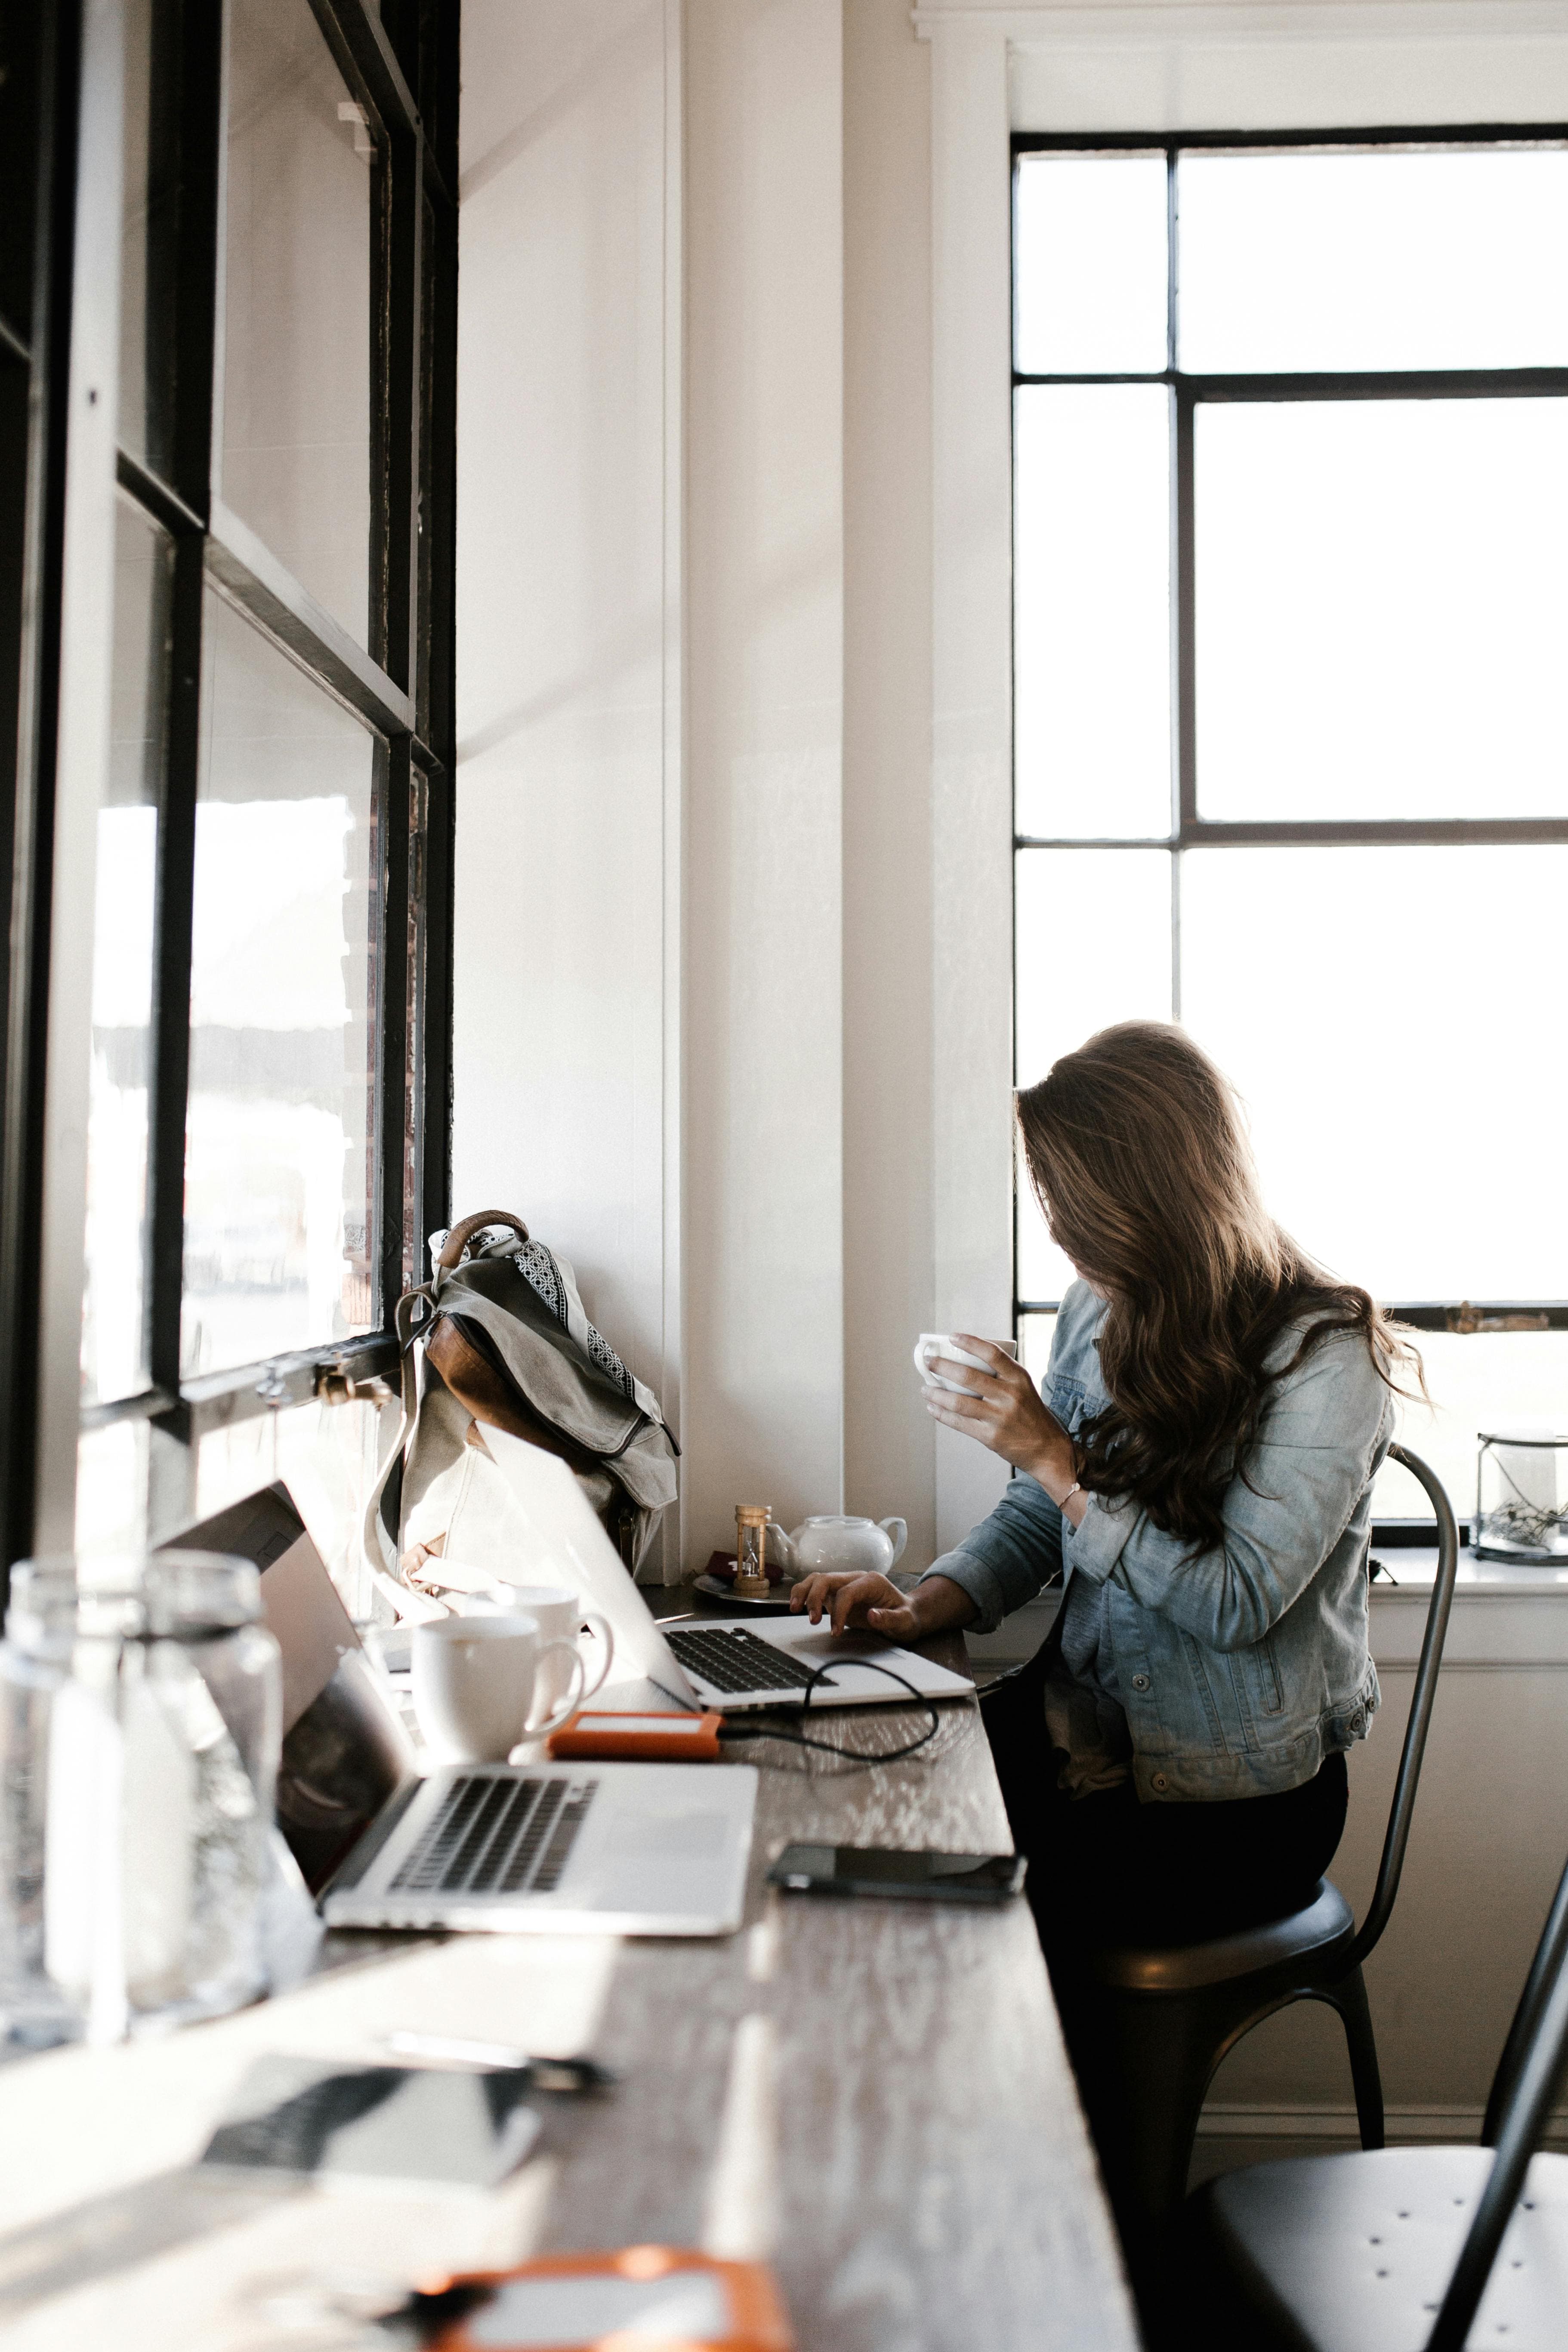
1139	1155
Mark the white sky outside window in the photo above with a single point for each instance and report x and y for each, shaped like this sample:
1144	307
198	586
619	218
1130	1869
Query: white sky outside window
1507	1379
299	202
113	1335
1090	265
1393	1018
1093	945
1445	259
267	946
1382	608
114	1352
1092	621
280	1113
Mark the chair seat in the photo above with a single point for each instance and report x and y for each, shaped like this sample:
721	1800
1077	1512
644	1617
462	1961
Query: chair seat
1328	1919
1354	2254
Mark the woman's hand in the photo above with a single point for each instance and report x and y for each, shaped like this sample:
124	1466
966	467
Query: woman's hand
1005	1412
868	1599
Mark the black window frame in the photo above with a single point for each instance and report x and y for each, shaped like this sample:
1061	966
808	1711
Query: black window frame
1188	829
401	66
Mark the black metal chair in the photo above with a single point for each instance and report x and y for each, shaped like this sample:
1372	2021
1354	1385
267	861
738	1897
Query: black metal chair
1399	2247
1155	2022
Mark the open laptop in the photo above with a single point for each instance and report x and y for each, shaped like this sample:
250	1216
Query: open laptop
711	1662
567	1849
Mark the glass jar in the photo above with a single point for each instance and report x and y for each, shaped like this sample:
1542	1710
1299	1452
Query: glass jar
149	1752
1521	1510
35	1660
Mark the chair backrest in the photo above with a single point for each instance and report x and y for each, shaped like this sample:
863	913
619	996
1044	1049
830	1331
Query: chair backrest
1421	1700
1530	2078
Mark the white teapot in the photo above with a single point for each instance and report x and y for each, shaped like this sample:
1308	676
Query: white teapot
830	1545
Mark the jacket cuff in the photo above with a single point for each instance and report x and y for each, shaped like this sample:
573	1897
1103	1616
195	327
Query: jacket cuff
963	1568
1093	1548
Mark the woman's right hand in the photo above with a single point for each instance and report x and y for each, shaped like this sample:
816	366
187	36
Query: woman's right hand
876	1602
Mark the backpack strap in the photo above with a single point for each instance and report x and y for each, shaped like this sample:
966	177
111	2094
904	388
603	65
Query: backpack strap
462	1233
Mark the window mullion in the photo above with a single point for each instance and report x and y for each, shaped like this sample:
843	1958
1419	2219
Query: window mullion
172	968
199	106
198	62
1185	617
56	34
434	1109
390	1126
254	579
358	42
398	478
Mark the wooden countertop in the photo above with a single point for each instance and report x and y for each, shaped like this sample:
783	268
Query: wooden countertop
876	2091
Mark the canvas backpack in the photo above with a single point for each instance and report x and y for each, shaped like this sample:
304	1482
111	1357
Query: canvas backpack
503	1339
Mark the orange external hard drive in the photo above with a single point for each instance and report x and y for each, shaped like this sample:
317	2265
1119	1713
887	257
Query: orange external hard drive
660	2298
638	1738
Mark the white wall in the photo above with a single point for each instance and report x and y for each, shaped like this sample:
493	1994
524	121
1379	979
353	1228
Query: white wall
685	720
567	996
889	1081
763	1106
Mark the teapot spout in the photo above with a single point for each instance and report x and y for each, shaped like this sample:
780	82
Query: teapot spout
780	1549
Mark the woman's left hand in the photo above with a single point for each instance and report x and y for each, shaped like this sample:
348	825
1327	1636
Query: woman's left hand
1005	1412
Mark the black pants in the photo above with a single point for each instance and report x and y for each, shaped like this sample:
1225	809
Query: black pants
1106	1869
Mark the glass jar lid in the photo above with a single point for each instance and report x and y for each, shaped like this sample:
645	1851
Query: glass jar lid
164	1595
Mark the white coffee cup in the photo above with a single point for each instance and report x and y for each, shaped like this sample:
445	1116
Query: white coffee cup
561	1616
474	1684
931	1344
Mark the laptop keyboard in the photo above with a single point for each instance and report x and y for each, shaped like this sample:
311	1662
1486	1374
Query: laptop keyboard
497	1836
737	1660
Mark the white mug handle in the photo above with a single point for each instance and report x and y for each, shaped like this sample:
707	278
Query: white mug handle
900	1535
574	1698
601	1626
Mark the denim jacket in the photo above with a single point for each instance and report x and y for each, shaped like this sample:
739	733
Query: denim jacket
1242	1667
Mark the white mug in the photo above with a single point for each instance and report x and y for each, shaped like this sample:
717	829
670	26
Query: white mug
942	1343
562	1617
474	1680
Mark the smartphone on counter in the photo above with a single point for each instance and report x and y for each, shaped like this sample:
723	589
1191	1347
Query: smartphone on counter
883	1870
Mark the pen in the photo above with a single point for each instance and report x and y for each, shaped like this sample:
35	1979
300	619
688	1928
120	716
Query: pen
460	2049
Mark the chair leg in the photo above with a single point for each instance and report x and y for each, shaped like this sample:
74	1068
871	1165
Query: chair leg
1143	2076
1143	2063
1348	1997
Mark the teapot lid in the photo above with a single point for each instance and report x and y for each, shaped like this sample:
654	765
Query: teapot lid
836	1519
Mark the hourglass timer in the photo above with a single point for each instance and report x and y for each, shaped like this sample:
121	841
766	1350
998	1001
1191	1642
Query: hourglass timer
751	1550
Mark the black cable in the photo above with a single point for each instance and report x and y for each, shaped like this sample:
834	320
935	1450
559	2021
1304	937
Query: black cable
829	1747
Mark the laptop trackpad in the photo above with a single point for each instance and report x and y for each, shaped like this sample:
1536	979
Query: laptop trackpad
652	1856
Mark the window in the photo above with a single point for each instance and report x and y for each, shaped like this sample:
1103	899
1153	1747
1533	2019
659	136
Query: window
1290	710
258	876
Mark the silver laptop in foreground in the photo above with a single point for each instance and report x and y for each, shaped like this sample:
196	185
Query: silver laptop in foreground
736	1664
567	1849
573	1850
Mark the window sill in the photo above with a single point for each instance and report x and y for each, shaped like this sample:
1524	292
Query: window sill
1478	1580
1504	1617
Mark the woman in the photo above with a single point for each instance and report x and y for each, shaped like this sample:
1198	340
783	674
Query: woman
1199	1464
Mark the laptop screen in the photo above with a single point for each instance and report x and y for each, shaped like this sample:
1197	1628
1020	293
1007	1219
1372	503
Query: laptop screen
345	1750
562	1542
